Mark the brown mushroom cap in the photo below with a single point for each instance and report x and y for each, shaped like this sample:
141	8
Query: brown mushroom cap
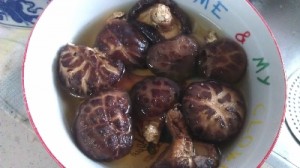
85	71
223	60
119	40
174	58
151	98
214	111
154	96
102	127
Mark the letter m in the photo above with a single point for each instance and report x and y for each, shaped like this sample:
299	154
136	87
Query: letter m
205	2
261	65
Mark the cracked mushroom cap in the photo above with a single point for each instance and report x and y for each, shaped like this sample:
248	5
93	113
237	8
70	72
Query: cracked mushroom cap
119	40
84	71
214	111
224	60
152	98
103	126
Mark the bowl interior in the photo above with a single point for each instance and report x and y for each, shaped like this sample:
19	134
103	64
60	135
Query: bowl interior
78	22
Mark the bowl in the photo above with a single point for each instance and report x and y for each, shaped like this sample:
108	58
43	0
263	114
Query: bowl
79	22
21	13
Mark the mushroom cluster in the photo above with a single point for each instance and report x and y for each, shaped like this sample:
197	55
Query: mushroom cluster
147	73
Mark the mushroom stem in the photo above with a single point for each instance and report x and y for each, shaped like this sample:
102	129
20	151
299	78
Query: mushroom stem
161	16
211	37
152	132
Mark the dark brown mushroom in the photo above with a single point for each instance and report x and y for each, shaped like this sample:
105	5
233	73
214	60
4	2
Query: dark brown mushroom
121	41
152	97
174	58
181	152
159	19
223	60
103	126
84	71
214	111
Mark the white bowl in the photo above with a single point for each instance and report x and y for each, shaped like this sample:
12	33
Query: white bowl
78	22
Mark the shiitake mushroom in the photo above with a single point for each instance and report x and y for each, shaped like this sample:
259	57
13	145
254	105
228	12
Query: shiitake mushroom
159	19
214	111
119	40
181	152
224	60
174	58
152	98
103	127
84	71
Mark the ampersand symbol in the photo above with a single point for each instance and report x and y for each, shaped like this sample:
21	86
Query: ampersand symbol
241	37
